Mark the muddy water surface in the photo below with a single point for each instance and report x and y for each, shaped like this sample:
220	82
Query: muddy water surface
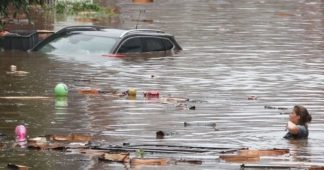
232	50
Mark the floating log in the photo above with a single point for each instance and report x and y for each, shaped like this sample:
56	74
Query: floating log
256	166
46	146
37	140
252	98
182	146
17	73
25	97
271	107
173	100
212	124
149	161
267	152
198	162
316	168
71	138
240	158
115	157
16	166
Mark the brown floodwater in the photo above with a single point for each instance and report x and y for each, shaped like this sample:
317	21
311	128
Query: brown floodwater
232	50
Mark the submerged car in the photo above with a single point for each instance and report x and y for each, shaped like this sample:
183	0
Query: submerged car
98	40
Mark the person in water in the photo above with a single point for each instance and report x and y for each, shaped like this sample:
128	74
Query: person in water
298	123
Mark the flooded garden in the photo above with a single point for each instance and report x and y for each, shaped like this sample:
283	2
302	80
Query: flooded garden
223	102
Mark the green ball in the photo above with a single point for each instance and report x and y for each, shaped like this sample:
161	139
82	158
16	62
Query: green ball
61	90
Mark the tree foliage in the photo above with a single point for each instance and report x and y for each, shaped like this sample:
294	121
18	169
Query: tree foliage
16	6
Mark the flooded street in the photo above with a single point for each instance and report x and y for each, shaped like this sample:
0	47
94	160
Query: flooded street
232	50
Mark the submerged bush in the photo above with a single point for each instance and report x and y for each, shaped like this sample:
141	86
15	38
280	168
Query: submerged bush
74	8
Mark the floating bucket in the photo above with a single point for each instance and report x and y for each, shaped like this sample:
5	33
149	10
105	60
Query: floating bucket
21	133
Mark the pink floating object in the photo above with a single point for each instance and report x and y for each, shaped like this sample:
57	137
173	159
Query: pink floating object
21	133
152	94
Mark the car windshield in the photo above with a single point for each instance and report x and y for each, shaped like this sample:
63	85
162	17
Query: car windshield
77	43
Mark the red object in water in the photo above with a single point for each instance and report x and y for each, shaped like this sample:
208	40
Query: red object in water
152	94
88	91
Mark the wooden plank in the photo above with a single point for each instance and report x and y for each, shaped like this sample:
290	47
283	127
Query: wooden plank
24	97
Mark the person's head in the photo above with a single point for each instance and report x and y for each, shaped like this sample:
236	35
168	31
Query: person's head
300	115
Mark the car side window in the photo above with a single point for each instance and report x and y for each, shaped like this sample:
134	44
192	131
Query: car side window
131	45
168	45
153	44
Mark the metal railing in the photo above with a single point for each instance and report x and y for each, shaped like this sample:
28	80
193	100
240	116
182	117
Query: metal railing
141	30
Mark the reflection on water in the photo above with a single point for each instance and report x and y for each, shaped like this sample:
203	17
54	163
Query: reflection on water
232	50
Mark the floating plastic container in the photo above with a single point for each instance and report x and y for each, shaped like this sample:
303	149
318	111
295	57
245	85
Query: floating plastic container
152	94
19	40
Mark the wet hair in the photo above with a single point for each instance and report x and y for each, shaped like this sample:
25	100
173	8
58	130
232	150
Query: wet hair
305	117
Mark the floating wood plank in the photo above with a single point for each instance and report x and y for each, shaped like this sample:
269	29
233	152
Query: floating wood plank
17	73
71	138
149	161
198	162
16	166
115	157
182	146
25	97
46	146
267	152
256	166
240	158
37	140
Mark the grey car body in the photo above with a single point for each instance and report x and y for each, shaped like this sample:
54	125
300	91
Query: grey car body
106	41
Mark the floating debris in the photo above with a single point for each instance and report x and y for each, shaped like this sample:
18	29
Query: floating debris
151	94
71	137
266	152
252	155
173	100
115	157
184	106
16	166
192	108
252	98
15	72
212	124
272	107
265	166
160	134
149	161
21	133
198	162
47	146
95	91
25	97
82	80
240	158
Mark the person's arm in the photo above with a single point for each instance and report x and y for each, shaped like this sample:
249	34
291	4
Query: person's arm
292	128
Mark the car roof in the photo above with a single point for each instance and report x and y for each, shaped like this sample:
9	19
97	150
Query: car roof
111	32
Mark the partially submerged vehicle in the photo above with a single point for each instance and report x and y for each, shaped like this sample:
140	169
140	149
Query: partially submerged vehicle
98	40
